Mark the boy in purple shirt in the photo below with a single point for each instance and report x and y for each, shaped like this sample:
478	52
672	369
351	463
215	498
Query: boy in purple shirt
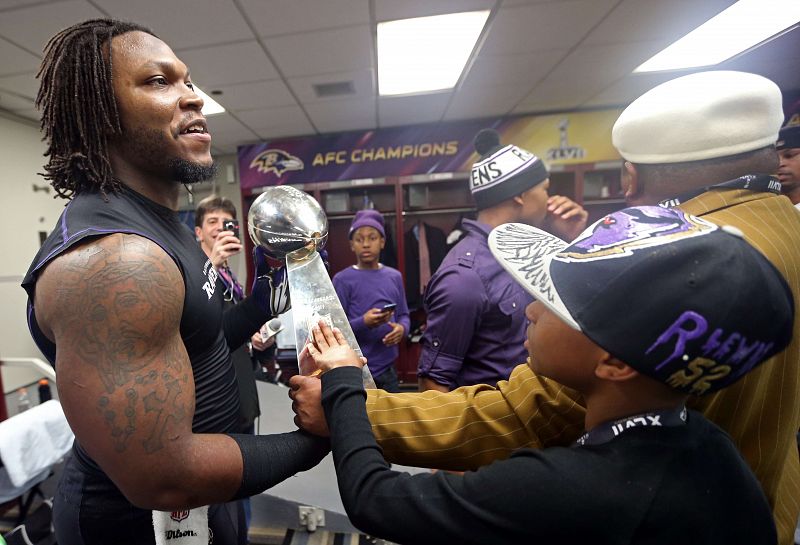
364	290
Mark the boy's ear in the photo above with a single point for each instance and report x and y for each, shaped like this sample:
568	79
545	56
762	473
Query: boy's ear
610	368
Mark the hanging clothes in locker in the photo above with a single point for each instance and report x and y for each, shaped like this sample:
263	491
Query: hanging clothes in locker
435	242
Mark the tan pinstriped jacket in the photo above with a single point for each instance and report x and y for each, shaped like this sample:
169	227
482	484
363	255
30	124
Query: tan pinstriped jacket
475	425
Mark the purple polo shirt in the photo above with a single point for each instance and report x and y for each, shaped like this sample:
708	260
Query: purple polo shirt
476	316
360	290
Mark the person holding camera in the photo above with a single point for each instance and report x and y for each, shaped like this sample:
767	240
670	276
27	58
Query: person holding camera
217	229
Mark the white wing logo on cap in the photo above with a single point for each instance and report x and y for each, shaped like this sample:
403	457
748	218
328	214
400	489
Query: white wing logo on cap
526	253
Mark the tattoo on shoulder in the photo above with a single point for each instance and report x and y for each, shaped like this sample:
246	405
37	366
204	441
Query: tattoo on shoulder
121	300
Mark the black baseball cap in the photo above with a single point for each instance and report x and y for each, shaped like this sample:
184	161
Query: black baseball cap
674	296
788	137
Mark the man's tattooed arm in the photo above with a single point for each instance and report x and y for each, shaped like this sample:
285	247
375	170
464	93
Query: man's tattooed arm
113	307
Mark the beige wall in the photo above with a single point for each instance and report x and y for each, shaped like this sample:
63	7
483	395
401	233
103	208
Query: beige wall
25	212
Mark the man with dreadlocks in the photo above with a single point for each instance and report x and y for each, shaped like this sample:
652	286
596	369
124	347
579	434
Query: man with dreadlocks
128	308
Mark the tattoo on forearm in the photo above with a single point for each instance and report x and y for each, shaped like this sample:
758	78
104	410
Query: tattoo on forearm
169	407
120	432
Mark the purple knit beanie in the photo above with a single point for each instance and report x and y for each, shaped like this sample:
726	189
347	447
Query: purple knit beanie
367	218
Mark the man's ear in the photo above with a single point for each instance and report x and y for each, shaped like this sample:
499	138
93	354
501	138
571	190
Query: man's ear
630	181
610	368
517	199
198	233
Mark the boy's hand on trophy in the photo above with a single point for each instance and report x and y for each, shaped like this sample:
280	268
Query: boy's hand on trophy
329	348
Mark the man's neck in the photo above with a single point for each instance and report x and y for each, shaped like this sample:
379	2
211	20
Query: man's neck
159	190
496	215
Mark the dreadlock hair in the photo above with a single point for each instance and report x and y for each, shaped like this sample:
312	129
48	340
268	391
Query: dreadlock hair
79	110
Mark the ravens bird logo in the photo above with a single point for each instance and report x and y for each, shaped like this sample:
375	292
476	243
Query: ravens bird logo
276	161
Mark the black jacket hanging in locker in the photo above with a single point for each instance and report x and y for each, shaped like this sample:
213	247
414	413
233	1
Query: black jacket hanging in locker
437	250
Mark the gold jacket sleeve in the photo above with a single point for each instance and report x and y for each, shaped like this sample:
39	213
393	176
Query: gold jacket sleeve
474	425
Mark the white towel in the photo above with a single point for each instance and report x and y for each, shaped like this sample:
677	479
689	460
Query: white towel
189	527
33	441
10	492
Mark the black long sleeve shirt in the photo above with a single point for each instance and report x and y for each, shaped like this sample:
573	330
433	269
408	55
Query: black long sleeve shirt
653	485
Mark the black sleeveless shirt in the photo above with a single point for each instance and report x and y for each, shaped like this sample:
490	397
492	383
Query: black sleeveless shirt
90	215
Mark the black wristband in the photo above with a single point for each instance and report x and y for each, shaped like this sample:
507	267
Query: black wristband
270	459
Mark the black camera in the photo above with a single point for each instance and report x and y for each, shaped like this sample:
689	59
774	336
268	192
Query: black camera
231	225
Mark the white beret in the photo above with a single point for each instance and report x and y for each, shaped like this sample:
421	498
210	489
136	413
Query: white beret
700	116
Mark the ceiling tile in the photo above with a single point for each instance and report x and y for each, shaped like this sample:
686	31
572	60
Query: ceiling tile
228	64
10	101
31	27
362	80
586	72
223	123
629	88
389	10
484	101
31	114
342	115
251	96
519	70
9	4
21	84
277	122
539	27
184	23
644	20
529	2
226	131
280	17
287	131
16	60
427	108
329	51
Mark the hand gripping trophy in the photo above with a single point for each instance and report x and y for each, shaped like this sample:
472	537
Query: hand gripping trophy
289	224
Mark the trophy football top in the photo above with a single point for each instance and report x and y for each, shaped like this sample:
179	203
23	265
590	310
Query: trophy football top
284	219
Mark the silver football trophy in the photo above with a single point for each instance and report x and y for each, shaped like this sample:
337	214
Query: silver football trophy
289	224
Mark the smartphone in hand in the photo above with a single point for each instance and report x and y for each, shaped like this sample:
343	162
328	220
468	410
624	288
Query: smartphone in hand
388	308
231	225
